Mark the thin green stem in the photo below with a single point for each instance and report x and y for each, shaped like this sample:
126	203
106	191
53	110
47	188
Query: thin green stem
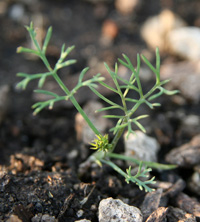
75	103
147	163
65	89
118	135
115	167
121	130
45	61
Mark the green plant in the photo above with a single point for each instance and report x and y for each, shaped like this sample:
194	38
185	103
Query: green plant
105	148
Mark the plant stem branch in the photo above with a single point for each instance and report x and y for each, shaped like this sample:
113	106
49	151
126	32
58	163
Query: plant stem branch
75	103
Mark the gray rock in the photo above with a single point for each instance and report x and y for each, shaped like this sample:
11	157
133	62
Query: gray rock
187	155
188	204
116	211
185	42
184	76
151	202
141	146
126	7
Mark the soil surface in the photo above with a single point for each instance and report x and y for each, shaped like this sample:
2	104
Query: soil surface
40	155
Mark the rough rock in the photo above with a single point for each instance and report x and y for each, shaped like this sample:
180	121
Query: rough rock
184	76
185	42
187	155
151	203
155	30
141	146
175	189
116	211
188	204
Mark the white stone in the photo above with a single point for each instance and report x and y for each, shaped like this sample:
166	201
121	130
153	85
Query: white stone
114	210
141	146
155	30
185	42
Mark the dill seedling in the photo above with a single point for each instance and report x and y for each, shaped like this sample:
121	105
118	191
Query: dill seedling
104	148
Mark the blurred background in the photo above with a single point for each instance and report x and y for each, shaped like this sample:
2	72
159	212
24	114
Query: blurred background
102	30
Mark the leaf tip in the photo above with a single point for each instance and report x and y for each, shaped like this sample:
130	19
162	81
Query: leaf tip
19	49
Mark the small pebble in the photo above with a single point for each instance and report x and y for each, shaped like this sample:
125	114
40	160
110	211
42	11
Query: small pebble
16	12
79	213
151	202
141	146
43	218
126	7
116	211
187	155
185	42
155	30
38	207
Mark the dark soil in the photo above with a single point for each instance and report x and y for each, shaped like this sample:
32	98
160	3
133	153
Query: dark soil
40	154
